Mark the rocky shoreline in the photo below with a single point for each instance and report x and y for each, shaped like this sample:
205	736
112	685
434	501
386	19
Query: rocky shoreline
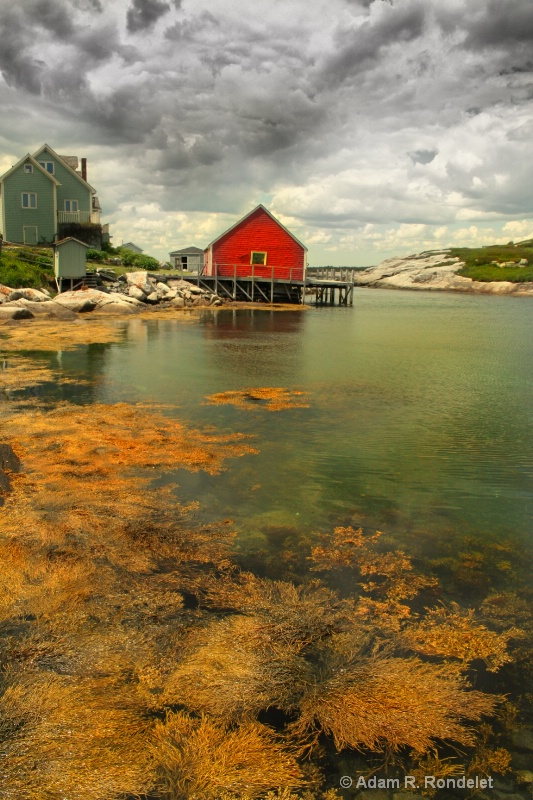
129	294
142	290
433	271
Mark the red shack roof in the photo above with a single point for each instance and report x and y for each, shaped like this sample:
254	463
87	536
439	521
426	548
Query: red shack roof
236	225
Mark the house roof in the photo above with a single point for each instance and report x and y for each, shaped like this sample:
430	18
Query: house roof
70	239
35	163
132	244
65	164
190	251
249	215
72	161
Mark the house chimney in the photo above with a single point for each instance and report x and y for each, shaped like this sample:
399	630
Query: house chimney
84	169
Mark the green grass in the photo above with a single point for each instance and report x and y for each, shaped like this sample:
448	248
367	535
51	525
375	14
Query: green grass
26	267
478	260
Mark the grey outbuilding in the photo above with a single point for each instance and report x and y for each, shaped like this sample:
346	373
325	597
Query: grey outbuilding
70	262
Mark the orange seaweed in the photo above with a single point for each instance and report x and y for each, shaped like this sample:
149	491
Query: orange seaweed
267	398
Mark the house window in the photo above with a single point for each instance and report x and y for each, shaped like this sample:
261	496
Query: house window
28	169
258	257
29	200
71	205
48	166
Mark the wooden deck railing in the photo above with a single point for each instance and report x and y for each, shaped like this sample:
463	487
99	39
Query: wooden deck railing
257	271
345	274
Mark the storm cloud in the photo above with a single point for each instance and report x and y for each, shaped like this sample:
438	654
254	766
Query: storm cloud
143	14
370	127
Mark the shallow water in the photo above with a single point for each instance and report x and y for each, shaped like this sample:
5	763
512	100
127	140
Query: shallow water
419	421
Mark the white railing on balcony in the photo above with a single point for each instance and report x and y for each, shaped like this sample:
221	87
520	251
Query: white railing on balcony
79	216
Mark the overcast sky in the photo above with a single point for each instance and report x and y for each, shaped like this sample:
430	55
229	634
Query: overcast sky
371	128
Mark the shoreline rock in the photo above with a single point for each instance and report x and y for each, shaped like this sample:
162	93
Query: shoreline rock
433	271
134	292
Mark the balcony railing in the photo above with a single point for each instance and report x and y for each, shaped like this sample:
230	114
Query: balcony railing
79	216
259	271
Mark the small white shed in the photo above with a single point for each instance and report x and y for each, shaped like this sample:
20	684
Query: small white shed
70	258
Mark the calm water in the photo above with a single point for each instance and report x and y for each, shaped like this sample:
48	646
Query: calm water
419	422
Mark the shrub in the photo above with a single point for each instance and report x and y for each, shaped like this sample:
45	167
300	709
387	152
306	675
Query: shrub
130	259
95	255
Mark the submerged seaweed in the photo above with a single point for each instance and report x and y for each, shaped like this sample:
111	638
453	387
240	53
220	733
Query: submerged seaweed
269	398
138	658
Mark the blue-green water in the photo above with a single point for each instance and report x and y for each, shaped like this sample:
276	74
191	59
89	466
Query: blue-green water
419	421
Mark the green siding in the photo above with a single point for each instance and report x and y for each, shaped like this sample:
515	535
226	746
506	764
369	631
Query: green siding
16	217
71	186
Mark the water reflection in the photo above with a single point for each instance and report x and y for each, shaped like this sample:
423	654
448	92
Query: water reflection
419	420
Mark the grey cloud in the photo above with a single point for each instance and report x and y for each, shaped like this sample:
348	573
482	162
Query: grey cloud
20	71
128	115
367	3
143	14
56	24
278	130
423	156
189	28
89	5
505	30
51	15
501	24
102	43
177	156
65	85
363	45
19	67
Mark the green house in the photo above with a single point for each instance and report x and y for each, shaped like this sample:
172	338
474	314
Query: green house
43	196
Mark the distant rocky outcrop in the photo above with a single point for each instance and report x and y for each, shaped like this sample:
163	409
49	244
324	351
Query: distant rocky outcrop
432	270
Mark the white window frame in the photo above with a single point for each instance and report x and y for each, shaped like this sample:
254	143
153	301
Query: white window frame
71	203
46	164
28	169
258	253
29	195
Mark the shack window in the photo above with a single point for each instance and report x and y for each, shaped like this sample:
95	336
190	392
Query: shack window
48	166
71	205
29	200
258	257
28	169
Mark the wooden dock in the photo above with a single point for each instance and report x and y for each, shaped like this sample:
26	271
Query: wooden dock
273	289
330	292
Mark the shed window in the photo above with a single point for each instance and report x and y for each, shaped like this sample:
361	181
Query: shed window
29	200
258	257
28	169
71	205
48	166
